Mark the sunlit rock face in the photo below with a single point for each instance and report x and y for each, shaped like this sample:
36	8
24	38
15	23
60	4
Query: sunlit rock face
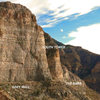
22	56
53	58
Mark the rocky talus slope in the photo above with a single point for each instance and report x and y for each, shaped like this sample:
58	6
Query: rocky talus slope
29	70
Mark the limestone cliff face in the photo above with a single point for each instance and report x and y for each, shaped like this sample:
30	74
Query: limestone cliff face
22	56
22	53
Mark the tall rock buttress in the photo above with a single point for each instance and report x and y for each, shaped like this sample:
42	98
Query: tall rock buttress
22	56
53	58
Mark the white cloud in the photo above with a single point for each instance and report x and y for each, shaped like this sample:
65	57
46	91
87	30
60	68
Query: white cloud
47	25
61	30
60	8
88	37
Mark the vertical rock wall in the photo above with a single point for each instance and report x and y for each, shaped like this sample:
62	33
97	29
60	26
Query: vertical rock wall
22	56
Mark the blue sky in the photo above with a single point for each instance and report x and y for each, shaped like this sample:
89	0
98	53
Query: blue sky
75	22
72	24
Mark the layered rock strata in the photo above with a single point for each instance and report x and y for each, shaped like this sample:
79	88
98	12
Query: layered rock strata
22	56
